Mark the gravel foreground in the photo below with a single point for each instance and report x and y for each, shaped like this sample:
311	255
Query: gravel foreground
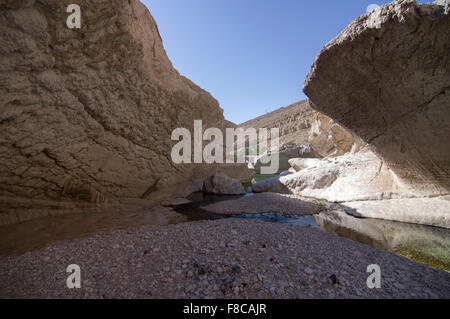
217	259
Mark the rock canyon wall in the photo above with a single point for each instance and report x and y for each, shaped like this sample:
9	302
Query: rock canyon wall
305	133
386	77
294	122
382	92
86	115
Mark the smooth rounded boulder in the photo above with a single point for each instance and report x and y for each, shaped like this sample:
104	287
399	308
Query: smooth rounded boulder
221	184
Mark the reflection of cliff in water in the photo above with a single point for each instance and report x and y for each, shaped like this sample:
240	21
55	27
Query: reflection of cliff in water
430	245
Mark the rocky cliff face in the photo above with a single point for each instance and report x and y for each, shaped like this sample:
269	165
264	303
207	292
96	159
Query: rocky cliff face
294	122
306	131
328	138
87	114
386	77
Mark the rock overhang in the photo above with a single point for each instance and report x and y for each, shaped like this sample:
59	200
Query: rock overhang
386	78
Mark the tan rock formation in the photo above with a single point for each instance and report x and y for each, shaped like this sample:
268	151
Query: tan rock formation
328	138
386	77
426	211
307	133
221	184
367	186
351	177
294	122
299	164
87	114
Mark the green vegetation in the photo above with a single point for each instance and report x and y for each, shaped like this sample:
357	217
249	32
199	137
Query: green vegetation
432	257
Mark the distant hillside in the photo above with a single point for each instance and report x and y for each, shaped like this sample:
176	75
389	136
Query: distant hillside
294	122
229	124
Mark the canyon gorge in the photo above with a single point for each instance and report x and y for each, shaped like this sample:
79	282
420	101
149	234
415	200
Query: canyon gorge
86	174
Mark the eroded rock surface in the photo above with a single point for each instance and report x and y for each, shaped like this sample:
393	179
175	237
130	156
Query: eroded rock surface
426	211
87	114
294	122
221	184
351	177
328	138
386	77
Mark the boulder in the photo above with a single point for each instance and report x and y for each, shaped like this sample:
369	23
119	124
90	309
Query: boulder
221	184
386	78
301	163
368	187
350	177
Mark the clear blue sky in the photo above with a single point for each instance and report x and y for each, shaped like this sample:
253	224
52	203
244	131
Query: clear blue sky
251	55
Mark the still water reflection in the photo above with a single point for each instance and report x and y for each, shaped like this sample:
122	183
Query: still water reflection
425	244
